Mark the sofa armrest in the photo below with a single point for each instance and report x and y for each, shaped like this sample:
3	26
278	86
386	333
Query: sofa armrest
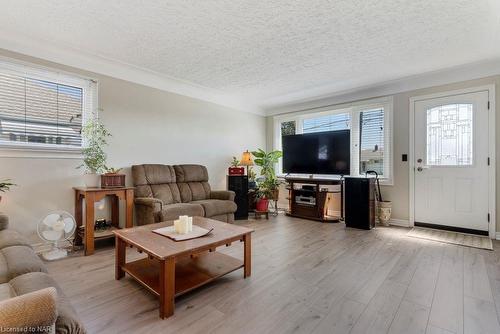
227	195
148	201
32	310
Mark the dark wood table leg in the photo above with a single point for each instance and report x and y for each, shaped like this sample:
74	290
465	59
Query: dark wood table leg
120	251
129	204
247	240
89	223
115	210
167	287
78	217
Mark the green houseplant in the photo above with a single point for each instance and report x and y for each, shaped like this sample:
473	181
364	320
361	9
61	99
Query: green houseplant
235	162
268	185
95	137
5	186
251	178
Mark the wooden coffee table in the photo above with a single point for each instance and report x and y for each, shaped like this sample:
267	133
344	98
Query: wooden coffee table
173	268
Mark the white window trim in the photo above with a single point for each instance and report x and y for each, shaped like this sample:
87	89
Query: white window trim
34	150
353	109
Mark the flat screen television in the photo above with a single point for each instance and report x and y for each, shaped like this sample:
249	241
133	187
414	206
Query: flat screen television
318	153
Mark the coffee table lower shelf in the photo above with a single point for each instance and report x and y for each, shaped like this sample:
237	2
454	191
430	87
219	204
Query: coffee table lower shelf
190	273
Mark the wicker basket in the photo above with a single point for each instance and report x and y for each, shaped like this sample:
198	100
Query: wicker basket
112	180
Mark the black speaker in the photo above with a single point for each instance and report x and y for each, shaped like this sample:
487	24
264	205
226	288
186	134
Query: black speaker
239	184
360	202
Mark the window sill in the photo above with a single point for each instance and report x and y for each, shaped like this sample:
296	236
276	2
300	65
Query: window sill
34	152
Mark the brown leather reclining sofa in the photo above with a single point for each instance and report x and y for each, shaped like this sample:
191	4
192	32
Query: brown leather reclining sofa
165	192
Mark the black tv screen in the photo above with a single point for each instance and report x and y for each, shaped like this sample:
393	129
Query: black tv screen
318	153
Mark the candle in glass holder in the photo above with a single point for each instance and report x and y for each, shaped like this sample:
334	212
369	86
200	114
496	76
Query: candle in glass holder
183	225
176	225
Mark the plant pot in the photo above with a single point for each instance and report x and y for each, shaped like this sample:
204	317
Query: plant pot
236	171
91	180
384	212
112	180
262	204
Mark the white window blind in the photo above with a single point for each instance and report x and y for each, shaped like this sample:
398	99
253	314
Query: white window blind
327	123
371	141
43	109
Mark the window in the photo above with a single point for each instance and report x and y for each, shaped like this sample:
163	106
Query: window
327	123
449	135
288	128
370	123
371	141
42	109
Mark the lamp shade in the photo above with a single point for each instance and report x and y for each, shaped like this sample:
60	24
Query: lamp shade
246	159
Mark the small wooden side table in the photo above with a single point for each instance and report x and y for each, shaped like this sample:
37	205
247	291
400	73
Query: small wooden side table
93	195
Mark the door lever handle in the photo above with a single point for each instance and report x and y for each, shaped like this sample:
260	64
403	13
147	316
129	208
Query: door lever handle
421	168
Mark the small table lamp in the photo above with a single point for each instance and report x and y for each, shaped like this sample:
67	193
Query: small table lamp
246	160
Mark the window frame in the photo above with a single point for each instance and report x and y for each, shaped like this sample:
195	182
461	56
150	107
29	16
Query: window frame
354	109
90	88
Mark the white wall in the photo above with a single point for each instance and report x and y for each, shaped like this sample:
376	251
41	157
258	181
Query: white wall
148	126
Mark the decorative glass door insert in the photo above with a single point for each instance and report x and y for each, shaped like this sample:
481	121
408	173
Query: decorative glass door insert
449	135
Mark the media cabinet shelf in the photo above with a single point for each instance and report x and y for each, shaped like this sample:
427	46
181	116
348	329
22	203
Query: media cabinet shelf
318	210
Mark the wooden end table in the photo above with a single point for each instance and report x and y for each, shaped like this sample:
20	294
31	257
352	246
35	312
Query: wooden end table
173	268
91	196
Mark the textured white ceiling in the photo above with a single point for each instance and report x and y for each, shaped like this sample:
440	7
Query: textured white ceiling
264	51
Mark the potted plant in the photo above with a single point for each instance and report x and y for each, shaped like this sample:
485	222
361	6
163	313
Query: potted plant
94	158
235	169
252	184
268	187
262	196
5	186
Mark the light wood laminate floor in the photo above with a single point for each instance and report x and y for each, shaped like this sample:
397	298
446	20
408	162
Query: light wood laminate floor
307	277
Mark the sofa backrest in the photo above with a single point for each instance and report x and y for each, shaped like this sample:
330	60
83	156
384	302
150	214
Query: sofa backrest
192	181
158	181
171	184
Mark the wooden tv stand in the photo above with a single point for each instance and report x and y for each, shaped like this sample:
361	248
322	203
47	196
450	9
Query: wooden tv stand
317	210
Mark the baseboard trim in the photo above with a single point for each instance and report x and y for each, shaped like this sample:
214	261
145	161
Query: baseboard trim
399	222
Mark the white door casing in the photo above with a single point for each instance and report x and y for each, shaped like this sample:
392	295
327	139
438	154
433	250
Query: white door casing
451	140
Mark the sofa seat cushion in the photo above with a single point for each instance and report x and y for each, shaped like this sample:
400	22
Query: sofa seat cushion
173	211
215	207
12	238
19	260
168	193
67	321
194	191
6	291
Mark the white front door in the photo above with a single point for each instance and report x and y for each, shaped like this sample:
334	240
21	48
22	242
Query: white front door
451	161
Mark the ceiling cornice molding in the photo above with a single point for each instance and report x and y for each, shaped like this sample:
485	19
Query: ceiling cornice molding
79	59
305	100
298	101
